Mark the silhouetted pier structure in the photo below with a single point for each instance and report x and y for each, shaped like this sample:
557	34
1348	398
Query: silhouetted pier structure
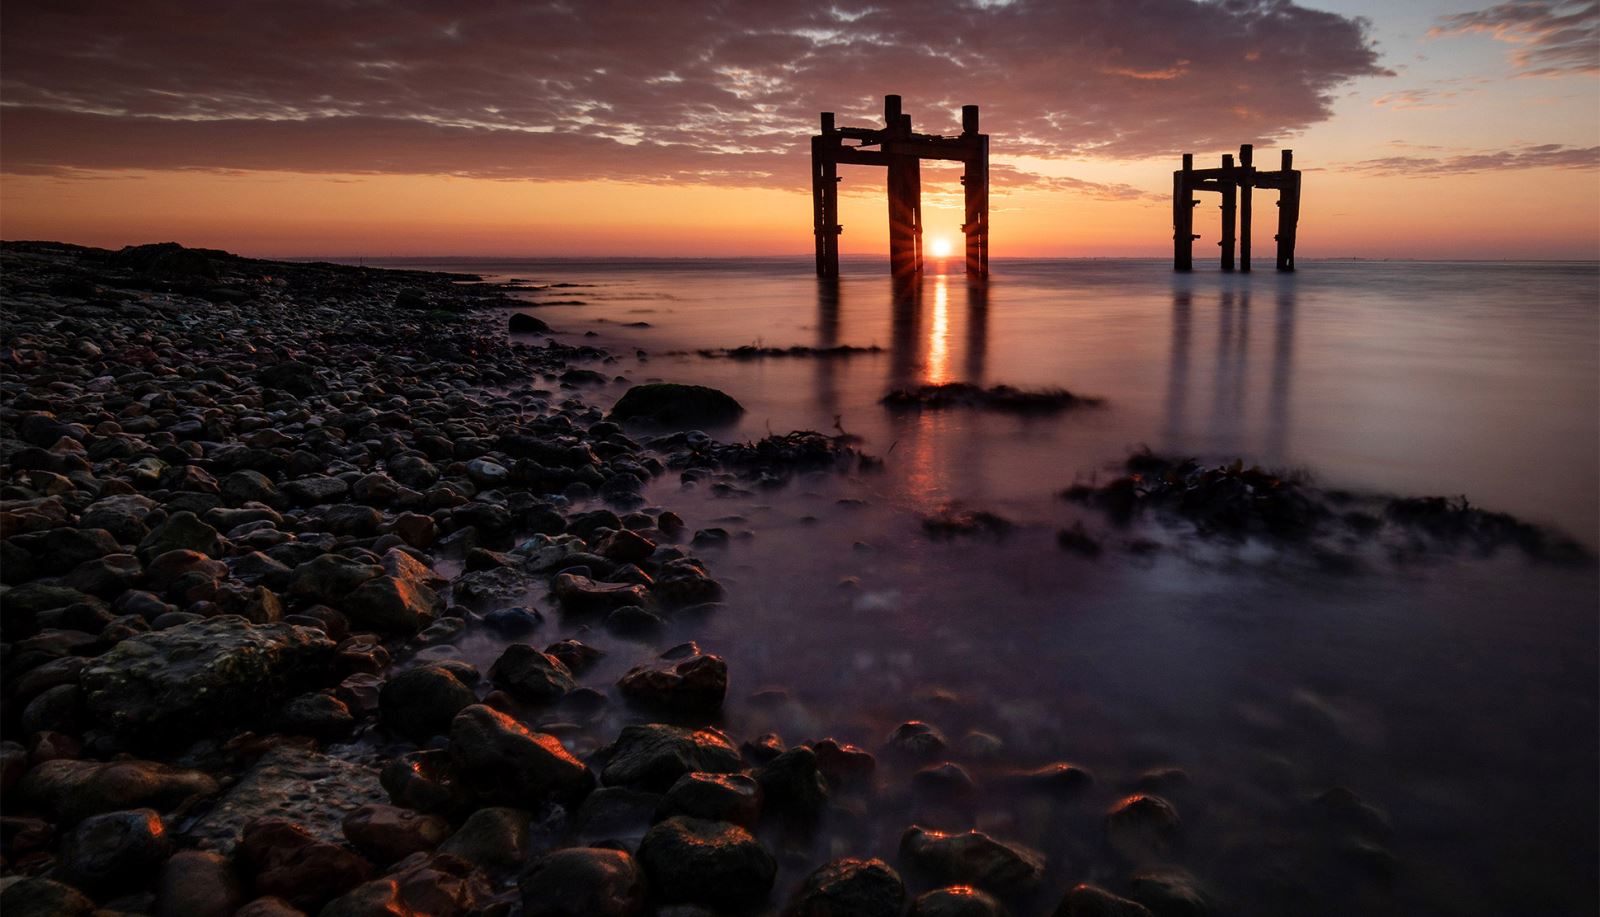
902	152
1236	183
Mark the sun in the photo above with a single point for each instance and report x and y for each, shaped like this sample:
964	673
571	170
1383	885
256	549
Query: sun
940	248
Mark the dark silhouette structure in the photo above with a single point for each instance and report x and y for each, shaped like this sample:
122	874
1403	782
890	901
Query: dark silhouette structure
902	152
1236	184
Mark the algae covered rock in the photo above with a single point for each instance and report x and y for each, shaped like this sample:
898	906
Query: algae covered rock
187	679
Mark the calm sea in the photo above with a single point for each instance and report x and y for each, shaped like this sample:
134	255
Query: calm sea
1456	693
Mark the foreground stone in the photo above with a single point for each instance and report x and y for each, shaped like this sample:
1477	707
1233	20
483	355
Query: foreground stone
972	858
656	755
504	763
675	405
73	790
194	677
583	882
850	886
716	864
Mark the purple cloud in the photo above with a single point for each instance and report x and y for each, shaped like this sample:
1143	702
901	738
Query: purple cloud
696	90
1542	156
1553	37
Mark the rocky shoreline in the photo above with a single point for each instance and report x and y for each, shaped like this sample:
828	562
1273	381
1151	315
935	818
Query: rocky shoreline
246	503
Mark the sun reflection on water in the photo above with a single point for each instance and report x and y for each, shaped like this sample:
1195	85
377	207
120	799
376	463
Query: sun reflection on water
939	333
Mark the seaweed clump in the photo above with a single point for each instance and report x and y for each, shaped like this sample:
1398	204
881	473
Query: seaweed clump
1235	500
998	398
1220	499
772	461
951	522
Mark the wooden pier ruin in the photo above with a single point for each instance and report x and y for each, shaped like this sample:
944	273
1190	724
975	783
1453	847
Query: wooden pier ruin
901	151
1236	184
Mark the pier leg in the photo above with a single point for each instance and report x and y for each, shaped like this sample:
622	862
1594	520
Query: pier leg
1247	181
1288	212
1229	205
825	198
1183	216
818	221
904	178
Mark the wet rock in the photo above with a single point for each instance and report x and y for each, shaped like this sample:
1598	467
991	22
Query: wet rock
74	790
504	763
386	834
762	748
288	863
531	676
582	595
328	578
633	622
689	687
319	715
1170	893
845	765
314	791
972	858
269	906
957	901
181	532
947	782
1141	828
916	740
850	887
197	883
426	781
187	679
123	516
656	755
421	703
734	798
675	405
392	605
116	851
315	489
583	882
1058	779
625	546
704	862
56	551
614	815
40	897
793	784
494	837
523	323
576	656
1091	901
433	885
513	622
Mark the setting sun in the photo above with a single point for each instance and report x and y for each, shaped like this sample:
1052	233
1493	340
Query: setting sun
940	248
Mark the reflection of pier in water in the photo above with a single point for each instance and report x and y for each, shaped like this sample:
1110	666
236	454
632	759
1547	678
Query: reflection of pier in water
930	330
1228	429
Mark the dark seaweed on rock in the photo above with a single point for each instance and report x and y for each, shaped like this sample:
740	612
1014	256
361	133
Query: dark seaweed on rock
952	522
753	352
998	398
1235	500
771	461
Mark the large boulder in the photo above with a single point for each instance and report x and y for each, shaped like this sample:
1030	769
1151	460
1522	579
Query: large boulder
392	605
188	679
198	883
181	531
715	864
504	763
676	405
289	863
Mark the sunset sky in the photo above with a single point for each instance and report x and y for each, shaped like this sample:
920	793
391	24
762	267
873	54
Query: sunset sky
1431	129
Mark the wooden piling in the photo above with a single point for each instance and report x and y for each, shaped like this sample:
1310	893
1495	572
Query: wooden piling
1230	191
1288	212
1247	180
1183	215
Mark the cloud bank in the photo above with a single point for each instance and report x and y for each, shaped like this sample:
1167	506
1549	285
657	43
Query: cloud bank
705	91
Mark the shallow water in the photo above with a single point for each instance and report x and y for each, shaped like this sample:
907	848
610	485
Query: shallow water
1457	693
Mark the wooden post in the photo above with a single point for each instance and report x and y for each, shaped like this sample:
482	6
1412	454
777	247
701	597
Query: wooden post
1183	216
902	183
1247	180
1288	212
975	194
1229	197
825	198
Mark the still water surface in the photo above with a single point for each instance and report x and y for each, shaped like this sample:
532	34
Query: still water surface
1457	694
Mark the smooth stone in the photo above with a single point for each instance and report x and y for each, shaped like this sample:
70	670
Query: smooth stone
494	837
583	882
198	883
116	851
1086	900
421	703
531	676
74	790
734	798
850	886
705	862
693	687
654	756
957	901
504	763
972	858
386	834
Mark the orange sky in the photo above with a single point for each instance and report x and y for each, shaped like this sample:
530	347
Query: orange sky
1457	149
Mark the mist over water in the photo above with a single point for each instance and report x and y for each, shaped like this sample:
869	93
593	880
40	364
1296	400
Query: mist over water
1457	693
